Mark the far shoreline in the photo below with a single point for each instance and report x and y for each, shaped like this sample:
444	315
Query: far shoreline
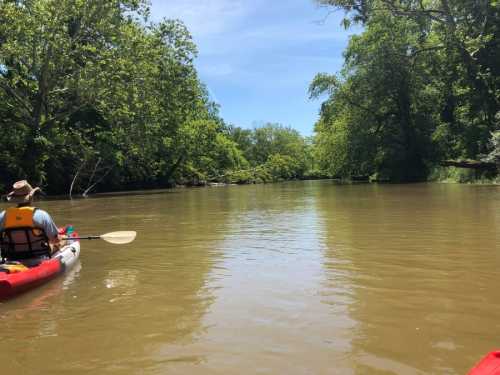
181	187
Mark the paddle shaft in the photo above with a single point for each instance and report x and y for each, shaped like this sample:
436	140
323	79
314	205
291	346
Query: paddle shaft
83	238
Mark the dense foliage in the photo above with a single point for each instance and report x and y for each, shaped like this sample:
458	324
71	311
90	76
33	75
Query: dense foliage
95	96
420	84
273	152
92	94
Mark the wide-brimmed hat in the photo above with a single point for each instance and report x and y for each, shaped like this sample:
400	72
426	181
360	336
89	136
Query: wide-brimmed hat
23	192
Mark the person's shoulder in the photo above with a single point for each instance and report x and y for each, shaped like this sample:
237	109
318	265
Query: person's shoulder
40	212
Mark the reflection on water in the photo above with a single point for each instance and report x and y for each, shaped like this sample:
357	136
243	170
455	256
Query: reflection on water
296	278
124	282
422	261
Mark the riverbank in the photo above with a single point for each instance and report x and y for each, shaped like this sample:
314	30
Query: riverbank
450	175
463	176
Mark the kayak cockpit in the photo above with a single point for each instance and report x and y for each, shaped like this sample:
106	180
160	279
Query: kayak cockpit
17	276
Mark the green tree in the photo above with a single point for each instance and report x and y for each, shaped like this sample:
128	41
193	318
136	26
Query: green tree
373	118
419	84
93	91
271	147
207	153
52	53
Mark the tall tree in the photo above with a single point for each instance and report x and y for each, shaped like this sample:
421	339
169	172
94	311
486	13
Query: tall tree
51	54
422	76
93	91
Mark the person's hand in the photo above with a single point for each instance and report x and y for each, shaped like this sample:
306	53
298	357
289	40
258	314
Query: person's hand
61	240
56	243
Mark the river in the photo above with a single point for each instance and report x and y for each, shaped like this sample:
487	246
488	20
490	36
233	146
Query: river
293	278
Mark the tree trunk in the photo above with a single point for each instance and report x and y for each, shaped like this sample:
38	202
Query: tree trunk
470	164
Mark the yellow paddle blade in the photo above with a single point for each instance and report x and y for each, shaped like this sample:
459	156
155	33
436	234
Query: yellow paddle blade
119	238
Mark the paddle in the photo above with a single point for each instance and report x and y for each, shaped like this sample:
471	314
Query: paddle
118	238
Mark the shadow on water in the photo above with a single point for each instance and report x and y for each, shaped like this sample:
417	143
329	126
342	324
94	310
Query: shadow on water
419	264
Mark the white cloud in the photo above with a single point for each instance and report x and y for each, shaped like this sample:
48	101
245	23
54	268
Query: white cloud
218	70
205	17
294	33
259	45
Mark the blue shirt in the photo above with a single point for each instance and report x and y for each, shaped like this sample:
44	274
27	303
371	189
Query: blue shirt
41	219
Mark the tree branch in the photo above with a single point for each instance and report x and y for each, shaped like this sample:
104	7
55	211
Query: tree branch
99	180
47	124
470	164
76	176
11	92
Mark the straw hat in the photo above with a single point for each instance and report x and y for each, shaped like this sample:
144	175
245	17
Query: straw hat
23	192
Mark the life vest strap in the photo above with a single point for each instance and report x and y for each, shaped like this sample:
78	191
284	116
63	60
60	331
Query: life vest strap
22	243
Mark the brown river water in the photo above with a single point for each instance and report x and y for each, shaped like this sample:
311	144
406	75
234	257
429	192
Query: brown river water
293	278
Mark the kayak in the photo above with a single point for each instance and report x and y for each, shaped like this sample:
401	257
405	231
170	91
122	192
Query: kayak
18	277
489	365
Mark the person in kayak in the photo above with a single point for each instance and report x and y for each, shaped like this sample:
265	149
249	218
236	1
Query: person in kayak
26	231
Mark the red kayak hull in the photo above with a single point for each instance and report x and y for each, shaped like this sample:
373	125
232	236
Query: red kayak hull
12	284
489	365
16	283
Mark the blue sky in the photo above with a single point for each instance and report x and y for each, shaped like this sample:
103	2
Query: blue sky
258	57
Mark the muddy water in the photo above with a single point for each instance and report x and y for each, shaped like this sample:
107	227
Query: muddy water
295	278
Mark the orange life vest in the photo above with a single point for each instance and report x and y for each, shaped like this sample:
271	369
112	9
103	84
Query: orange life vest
20	237
19	217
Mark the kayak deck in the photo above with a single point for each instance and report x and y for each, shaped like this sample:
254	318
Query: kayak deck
489	365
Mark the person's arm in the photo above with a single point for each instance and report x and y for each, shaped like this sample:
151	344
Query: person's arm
44	221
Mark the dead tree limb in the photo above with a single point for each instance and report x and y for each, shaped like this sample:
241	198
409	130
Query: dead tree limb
74	178
95	183
470	164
